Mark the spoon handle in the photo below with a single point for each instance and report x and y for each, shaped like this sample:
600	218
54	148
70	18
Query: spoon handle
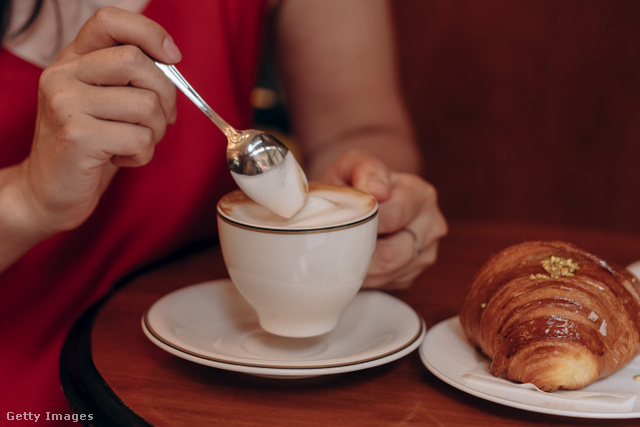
182	84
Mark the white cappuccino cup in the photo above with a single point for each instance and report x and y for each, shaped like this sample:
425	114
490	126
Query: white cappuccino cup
299	273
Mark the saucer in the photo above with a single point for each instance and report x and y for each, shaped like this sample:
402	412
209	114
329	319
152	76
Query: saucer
211	324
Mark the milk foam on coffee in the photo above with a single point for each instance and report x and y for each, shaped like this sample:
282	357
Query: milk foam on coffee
282	189
325	206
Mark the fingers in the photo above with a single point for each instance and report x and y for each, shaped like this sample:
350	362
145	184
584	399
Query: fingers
87	144
135	106
115	47
102	105
393	265
119	65
110	27
135	147
124	144
139	105
112	89
361	170
412	206
410	196
104	121
406	202
127	66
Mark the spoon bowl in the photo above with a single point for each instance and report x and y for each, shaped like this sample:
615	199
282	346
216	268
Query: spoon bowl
262	166
255	152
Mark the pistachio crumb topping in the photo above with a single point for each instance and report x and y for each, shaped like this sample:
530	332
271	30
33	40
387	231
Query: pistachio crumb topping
538	276
560	267
636	377
483	305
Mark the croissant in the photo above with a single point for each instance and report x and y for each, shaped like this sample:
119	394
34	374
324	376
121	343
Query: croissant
552	314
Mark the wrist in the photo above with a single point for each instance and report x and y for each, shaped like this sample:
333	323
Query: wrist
395	147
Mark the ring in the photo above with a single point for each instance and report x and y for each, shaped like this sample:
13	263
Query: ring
416	245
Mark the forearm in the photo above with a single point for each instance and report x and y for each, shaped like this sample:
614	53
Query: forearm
19	230
392	144
339	68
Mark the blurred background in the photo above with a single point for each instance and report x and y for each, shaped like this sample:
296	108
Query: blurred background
526	111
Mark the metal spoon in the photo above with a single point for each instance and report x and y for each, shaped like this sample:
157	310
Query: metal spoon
251	153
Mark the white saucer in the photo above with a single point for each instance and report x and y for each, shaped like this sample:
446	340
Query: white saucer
446	352
211	324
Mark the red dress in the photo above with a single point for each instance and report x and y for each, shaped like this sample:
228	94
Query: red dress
147	212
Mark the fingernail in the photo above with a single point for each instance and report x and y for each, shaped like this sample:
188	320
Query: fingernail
172	51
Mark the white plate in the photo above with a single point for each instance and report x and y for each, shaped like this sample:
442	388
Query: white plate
635	268
211	324
446	352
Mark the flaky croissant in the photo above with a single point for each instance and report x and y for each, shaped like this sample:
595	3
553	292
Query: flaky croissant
554	315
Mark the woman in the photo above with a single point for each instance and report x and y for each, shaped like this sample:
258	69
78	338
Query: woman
86	192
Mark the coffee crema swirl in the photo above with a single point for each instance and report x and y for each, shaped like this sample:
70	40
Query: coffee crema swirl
327	206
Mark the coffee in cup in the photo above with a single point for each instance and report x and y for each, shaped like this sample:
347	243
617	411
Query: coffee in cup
299	273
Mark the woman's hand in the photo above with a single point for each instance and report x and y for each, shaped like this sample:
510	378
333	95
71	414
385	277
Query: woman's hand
102	105
410	223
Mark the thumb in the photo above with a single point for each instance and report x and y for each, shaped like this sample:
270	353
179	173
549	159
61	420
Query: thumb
365	172
112	26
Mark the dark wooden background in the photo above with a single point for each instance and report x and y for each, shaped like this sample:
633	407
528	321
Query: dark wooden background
527	110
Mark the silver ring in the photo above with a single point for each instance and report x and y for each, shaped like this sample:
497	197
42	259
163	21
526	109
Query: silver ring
416	245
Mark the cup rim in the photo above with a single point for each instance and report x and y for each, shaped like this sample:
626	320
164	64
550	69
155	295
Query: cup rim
280	230
369	216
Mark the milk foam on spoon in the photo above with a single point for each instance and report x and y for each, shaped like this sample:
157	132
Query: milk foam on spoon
282	189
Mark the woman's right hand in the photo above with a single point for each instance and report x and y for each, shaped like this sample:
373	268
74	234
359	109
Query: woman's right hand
102	105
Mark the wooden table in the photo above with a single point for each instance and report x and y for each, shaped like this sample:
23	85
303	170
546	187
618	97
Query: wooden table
111	370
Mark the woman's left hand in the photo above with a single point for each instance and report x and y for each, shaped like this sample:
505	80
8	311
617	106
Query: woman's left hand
410	224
